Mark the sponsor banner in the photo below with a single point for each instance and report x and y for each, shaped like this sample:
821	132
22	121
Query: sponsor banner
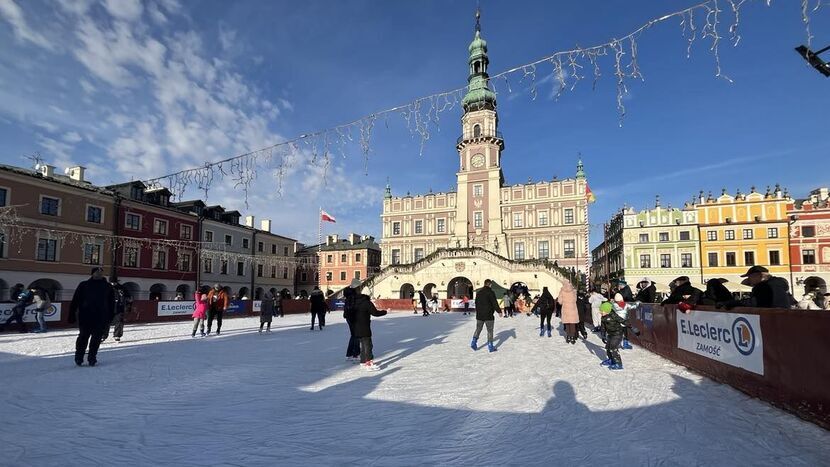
237	306
646	313
257	306
458	304
53	313
730	338
176	308
337	305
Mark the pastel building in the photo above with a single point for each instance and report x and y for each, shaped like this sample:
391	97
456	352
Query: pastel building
810	242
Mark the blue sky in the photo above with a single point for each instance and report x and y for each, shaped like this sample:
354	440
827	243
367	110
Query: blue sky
136	89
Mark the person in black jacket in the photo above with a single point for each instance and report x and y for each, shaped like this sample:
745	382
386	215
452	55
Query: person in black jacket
544	307
716	293
349	296
363	310
93	306
23	299
486	308
647	291
683	292
767	291
624	290
423	299
318	307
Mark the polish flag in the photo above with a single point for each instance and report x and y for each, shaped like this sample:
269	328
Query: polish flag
326	217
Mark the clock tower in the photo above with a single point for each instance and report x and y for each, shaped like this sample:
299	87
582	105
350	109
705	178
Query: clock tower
478	219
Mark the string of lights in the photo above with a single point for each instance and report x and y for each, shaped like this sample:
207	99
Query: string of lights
566	68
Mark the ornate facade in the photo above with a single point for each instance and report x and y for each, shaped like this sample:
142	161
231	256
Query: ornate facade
534	220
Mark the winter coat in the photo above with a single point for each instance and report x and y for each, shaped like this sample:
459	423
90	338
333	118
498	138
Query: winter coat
201	306
486	304
266	309
349	296
567	298
596	300
615	321
363	310
772	293
626	293
715	293
508	301
41	301
807	302
545	305
422	298
121	296
93	303
681	291
318	301
219	299
647	294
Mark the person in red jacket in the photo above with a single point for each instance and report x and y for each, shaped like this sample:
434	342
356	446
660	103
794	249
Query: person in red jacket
217	305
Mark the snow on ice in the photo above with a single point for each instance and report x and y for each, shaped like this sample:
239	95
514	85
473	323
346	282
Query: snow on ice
290	398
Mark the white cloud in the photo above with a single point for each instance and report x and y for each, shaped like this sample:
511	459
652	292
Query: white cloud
72	137
12	13
227	37
128	10
87	86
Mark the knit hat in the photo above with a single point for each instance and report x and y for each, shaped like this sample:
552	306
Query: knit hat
605	308
618	297
355	283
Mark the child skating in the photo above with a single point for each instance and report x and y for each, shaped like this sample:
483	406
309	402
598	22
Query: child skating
614	323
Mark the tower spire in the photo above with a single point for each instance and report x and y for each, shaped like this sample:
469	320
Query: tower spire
479	95
478	17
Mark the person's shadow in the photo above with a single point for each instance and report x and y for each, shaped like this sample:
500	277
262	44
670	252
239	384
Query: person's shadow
503	336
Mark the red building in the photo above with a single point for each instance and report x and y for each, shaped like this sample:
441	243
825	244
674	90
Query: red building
163	259
810	242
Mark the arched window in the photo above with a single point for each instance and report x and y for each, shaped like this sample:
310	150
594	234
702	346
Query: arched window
476	131
477	67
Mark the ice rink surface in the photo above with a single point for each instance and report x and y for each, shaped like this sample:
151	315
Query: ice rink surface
290	398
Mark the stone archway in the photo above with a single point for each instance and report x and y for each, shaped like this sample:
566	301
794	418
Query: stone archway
815	283
157	291
243	292
407	291
430	289
459	287
132	289
50	286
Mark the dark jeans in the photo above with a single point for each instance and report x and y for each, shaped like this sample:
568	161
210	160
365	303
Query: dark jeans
17	315
612	347
480	324
366	354
89	335
424	307
545	317
580	328
353	349
321	318
217	313
510	310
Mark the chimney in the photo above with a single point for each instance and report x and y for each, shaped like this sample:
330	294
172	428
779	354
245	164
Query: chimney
354	238
265	225
46	170
77	173
332	239
249	221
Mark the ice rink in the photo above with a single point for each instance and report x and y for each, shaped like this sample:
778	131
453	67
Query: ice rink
290	398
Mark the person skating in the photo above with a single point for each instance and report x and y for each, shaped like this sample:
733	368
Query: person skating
584	308
596	300
486	308
42	304
646	291
266	312
218	302
466	302
121	299
318	308
349	297
614	322
278	306
92	306
422	298
545	307
200	310
570	315
508	304
24	299
363	310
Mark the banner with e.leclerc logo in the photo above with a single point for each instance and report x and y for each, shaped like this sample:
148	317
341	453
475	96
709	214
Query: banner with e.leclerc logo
729	338
52	313
176	308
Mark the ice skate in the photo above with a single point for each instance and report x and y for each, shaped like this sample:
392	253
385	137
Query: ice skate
474	344
541	331
616	366
626	345
370	366
607	362
491	347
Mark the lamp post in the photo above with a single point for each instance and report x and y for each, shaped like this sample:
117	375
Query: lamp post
814	60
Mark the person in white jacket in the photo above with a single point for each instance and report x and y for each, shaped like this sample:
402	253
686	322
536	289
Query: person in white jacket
808	302
596	300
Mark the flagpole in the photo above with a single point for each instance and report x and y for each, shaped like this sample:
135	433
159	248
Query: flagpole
319	245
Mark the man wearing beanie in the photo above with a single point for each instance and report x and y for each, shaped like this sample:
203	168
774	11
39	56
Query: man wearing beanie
93	306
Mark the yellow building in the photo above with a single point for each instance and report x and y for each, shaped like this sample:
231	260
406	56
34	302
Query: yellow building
740	231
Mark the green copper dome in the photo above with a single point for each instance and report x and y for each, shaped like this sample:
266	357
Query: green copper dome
479	95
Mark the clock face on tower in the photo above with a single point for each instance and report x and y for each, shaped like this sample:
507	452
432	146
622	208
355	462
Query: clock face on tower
477	161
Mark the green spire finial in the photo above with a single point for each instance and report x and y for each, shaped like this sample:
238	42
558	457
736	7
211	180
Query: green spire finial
580	169
478	18
479	95
388	193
